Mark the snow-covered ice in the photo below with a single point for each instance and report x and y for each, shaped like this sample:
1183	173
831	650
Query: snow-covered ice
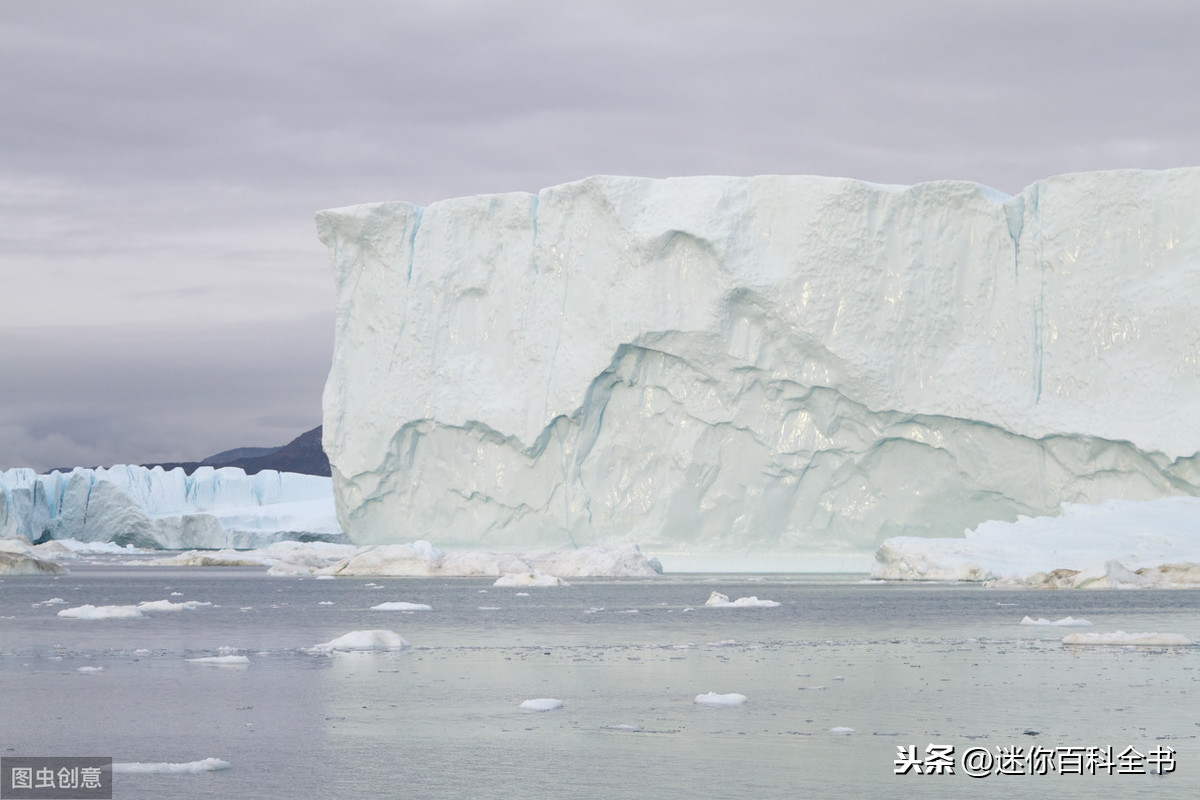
102	612
541	704
1123	638
90	670
167	605
718	600
222	661
129	611
402	606
364	640
841	731
1065	622
793	366
1118	544
714	699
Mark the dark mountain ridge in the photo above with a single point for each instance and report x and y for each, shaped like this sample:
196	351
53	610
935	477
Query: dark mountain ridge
303	454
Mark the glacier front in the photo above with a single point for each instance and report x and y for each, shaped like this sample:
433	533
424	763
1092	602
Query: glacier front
785	367
167	509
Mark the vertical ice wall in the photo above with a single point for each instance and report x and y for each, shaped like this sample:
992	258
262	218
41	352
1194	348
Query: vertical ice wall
789	365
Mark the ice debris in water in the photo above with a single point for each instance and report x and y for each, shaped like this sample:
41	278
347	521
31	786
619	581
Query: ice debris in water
364	640
221	661
718	600
165	768
541	704
402	606
1123	638
714	699
1065	622
529	579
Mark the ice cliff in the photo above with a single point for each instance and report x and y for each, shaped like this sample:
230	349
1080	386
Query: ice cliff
153	508
792	366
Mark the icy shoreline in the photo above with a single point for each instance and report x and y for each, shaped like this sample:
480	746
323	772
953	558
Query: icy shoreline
1116	545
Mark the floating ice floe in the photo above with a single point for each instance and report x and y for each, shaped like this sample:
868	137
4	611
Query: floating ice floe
165	768
128	612
714	699
529	579
718	600
541	704
167	605
364	640
102	612
840	731
221	661
90	670
1121	544
402	606
1123	638
1065	622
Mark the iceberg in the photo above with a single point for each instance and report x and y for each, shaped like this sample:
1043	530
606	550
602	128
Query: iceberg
363	640
792	367
167	509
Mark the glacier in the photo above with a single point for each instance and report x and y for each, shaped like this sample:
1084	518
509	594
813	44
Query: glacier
784	368
167	509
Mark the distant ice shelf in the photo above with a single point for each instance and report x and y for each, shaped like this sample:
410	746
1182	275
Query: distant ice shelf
154	508
785	370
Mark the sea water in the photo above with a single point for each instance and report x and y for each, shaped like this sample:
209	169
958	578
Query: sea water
841	679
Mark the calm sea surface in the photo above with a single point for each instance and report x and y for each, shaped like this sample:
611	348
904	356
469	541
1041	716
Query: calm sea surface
903	666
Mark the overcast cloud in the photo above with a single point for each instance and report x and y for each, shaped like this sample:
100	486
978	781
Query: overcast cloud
163	294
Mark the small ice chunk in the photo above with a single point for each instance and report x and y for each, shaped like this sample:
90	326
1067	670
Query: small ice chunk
1123	638
325	578
1065	622
222	661
841	731
90	669
325	603
364	640
102	612
529	579
714	699
53	601
541	704
718	600
624	727
167	605
401	606
164	768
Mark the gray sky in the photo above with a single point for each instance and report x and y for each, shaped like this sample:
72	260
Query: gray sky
163	294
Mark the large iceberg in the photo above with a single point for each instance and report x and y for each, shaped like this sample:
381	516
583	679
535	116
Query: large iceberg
793	367
156	508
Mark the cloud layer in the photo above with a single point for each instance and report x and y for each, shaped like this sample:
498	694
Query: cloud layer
160	164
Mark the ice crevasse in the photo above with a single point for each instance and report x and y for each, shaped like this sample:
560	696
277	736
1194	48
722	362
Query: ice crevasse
789	367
